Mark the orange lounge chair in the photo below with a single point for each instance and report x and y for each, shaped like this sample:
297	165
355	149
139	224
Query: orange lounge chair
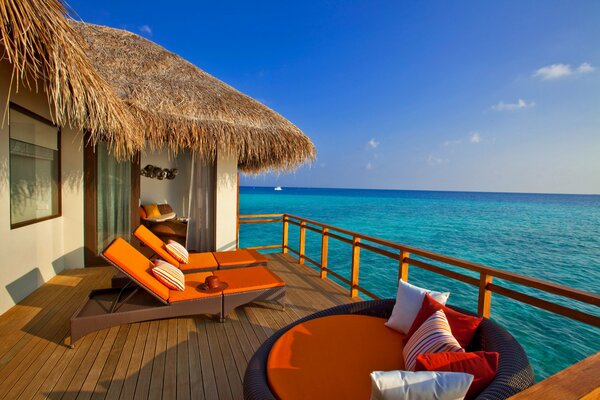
202	261
106	308
198	262
249	284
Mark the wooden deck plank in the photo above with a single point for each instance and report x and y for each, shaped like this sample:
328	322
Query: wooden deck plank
135	364
35	349
85	366
91	380
118	378
158	365
183	366
143	384
579	381
218	362
234	378
196	389
63	372
111	363
181	358
170	375
209	382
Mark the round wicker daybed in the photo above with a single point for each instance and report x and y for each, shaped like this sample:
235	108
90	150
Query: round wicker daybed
514	371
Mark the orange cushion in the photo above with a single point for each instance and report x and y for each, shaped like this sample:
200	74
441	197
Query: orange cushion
143	214
191	291
332	357
199	261
246	279
151	210
135	264
239	257
155	243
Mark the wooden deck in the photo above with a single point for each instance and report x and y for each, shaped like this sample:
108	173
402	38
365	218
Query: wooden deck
184	358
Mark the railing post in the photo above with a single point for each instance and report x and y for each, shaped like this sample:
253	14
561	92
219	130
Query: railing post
302	241
403	266
485	296
284	242
324	251
355	267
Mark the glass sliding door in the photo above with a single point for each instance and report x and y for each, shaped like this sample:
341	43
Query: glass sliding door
113	197
112	192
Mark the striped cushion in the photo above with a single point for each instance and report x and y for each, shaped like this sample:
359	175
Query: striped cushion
433	336
178	251
169	275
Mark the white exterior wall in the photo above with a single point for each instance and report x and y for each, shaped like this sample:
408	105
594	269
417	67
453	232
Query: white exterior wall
227	203
174	192
33	254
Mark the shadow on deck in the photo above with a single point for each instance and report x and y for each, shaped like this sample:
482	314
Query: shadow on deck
183	358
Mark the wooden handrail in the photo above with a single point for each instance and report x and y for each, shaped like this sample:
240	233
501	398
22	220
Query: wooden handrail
245	216
403	255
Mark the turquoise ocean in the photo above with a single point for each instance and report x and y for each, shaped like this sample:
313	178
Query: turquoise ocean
552	237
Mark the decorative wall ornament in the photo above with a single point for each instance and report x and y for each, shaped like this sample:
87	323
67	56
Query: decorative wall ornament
151	171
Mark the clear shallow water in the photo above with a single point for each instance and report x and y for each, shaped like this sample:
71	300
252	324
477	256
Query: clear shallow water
552	237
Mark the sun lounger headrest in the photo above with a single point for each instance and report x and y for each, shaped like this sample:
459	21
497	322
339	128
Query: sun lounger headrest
146	236
137	266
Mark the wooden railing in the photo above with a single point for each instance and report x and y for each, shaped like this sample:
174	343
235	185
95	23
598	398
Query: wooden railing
404	256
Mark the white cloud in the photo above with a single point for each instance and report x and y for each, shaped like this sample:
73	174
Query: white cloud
519	105
585	68
145	29
434	160
556	71
553	71
369	166
372	144
475	137
453	142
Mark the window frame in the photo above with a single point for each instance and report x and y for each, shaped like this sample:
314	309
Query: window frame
39	118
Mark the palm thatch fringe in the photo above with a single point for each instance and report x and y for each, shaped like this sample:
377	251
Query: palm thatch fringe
44	50
183	107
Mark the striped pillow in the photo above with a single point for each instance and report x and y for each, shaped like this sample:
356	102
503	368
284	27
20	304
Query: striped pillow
433	336
169	275
178	251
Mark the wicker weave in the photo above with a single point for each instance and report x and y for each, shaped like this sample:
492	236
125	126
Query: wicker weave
514	371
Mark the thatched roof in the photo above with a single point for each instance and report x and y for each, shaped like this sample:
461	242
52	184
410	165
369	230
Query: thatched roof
184	107
37	39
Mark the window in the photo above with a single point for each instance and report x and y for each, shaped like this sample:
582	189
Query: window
34	168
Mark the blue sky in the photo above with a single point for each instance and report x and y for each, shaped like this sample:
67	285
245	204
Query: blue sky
436	95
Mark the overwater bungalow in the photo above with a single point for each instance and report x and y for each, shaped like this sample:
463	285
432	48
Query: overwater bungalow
112	146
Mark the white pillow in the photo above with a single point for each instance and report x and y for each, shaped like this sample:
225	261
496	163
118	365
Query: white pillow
422	385
177	251
408	303
169	275
163	217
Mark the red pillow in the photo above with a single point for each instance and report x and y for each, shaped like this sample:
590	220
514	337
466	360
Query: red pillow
482	365
463	326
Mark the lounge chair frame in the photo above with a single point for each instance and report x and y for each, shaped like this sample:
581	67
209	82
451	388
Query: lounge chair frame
233	300
106	308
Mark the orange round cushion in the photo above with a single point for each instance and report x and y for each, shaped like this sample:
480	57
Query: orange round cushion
332	357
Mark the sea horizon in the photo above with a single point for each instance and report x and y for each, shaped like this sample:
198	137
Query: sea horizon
419	190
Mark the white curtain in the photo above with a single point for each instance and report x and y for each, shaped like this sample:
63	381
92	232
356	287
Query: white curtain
114	197
201	226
